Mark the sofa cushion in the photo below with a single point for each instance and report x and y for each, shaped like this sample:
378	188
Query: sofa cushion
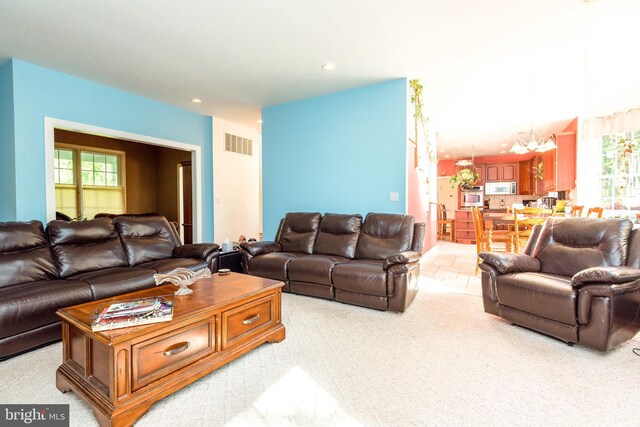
25	255
384	234
116	281
166	265
313	268
361	276
298	233
32	305
85	246
272	265
633	252
545	295
146	238
338	235
569	245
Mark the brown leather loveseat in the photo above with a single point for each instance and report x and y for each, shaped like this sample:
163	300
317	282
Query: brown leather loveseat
577	280
374	263
76	262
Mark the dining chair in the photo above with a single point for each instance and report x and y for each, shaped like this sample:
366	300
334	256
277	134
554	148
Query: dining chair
446	227
577	210
486	236
595	212
523	221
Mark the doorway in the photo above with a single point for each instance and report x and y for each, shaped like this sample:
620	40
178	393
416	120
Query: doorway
192	151
185	204
447	196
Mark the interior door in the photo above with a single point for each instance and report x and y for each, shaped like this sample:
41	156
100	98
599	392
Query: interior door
447	196
187	203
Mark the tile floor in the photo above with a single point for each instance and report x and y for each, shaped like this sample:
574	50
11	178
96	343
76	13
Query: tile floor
450	267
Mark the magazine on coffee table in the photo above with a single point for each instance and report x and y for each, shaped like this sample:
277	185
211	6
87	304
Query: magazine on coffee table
123	314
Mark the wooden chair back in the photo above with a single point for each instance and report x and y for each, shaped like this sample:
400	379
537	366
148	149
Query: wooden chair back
445	226
523	221
595	212
577	211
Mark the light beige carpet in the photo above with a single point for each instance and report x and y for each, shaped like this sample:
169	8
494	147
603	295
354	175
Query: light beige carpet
443	362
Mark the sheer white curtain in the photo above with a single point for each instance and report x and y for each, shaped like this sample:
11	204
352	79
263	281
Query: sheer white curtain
589	156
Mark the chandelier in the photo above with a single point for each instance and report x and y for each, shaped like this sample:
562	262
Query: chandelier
464	162
529	141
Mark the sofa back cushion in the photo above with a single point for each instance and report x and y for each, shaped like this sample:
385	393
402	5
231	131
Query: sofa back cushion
25	255
384	234
338	235
633	254
299	230
146	238
568	245
85	246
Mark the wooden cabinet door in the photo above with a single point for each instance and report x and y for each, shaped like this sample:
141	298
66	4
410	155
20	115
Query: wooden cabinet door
492	173
508	172
480	171
549	170
525	177
566	161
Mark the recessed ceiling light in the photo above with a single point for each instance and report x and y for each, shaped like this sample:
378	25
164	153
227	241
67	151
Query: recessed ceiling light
503	145
259	121
503	151
507	135
328	66
446	155
442	150
196	100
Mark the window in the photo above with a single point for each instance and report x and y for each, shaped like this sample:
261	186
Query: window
101	181
620	172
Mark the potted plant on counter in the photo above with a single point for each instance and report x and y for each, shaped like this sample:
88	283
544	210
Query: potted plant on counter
465	178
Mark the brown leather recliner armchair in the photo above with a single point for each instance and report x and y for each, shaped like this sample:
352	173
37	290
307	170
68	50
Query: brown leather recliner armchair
374	263
577	280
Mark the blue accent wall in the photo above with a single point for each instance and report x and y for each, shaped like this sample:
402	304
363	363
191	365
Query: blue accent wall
343	152
40	92
7	149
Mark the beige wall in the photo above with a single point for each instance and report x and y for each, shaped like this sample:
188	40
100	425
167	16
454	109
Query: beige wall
151	172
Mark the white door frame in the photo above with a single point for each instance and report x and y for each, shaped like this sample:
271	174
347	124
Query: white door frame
50	124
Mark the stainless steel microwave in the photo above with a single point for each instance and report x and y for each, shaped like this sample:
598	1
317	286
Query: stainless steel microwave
499	188
472	197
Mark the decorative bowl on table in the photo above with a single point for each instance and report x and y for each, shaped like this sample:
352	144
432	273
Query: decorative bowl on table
183	278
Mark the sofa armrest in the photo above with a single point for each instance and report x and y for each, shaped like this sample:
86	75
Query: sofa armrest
506	262
195	250
260	248
405	257
604	275
587	293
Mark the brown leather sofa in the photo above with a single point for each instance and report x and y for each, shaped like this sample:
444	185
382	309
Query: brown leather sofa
76	262
577	280
374	263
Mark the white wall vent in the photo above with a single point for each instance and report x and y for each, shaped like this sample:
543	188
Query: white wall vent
237	144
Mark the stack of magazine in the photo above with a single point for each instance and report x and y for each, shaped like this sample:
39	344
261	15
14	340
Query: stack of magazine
142	311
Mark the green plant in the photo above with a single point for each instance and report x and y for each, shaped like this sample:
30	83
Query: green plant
464	178
418	114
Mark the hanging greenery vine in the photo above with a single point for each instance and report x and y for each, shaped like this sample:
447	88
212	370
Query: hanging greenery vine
418	114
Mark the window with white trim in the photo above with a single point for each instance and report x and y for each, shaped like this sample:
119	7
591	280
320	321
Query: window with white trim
88	181
620	171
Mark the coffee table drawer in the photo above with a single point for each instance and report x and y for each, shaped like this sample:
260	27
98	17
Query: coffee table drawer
243	321
166	353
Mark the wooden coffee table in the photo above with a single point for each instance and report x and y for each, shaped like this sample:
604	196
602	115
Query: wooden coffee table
122	372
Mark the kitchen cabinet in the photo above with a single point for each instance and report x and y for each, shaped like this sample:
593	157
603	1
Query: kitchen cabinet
465	232
480	171
501	172
559	165
528	182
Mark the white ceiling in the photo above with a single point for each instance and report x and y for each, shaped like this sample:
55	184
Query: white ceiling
486	64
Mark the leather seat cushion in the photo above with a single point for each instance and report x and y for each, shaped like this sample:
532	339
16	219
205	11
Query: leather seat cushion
116	281
545	295
272	265
166	265
361	276
314	268
32	305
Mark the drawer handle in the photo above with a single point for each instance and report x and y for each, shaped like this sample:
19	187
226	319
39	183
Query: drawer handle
251	320
177	348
